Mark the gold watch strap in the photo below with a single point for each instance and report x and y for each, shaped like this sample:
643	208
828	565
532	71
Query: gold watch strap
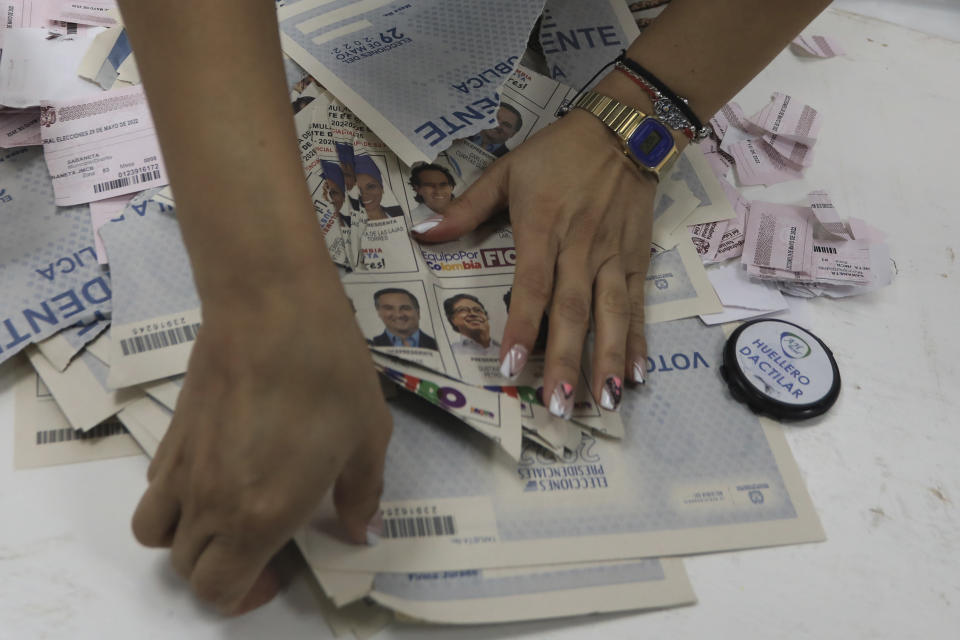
620	118
623	120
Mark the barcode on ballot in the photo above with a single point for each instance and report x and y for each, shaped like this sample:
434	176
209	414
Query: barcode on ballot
102	430
819	249
119	183
419	527
159	339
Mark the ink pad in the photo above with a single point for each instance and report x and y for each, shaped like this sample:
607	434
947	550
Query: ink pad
780	369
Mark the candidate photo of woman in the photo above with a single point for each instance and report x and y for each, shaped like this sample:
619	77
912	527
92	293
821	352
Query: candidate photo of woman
370	184
334	190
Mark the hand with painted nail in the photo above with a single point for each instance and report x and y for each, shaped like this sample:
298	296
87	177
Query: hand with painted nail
267	422
581	214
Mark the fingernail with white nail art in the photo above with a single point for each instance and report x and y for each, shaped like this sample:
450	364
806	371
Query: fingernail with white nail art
426	225
375	529
514	361
611	393
640	372
561	400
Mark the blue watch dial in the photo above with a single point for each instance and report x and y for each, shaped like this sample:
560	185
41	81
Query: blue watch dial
650	143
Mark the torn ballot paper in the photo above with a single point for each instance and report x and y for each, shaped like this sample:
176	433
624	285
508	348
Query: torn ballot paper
98	13
647	496
817	46
109	52
157	310
742	297
51	278
812	246
578	38
43	436
19	128
418	73
61	348
81	389
35	67
496	415
485	596
774	145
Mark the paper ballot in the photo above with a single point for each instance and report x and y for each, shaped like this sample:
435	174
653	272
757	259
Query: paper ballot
421	73
650	495
51	278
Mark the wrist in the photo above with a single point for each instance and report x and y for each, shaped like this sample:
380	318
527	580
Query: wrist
279	307
252	271
621	88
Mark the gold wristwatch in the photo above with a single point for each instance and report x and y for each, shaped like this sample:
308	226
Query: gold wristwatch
645	139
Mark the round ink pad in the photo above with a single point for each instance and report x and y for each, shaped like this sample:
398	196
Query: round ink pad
780	369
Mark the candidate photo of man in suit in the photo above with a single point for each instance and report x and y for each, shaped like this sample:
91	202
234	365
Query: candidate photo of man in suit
509	122
400	312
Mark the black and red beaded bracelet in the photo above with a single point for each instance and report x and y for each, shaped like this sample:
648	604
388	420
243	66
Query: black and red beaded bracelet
668	107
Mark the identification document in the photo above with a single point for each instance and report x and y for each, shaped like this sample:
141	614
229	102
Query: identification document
654	493
101	147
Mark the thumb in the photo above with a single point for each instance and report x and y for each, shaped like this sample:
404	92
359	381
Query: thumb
477	204
356	494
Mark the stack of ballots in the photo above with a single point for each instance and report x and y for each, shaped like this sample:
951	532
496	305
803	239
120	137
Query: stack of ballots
494	510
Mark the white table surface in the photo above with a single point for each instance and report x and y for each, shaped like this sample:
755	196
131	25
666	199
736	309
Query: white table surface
881	467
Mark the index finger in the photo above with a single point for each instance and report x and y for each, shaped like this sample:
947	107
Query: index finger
478	203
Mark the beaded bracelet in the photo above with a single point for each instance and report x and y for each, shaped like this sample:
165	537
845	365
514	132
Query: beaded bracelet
672	109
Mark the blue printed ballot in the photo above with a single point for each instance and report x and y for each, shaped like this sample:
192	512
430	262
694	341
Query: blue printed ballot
579	38
157	309
48	264
418	73
653	493
530	593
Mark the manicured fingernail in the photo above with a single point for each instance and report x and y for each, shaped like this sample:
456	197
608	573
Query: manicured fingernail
375	529
561	401
425	226
640	372
611	393
514	361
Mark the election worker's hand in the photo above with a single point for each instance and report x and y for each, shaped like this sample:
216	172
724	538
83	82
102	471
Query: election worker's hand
581	213
280	404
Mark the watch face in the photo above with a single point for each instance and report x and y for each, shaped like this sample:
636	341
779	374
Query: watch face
650	143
